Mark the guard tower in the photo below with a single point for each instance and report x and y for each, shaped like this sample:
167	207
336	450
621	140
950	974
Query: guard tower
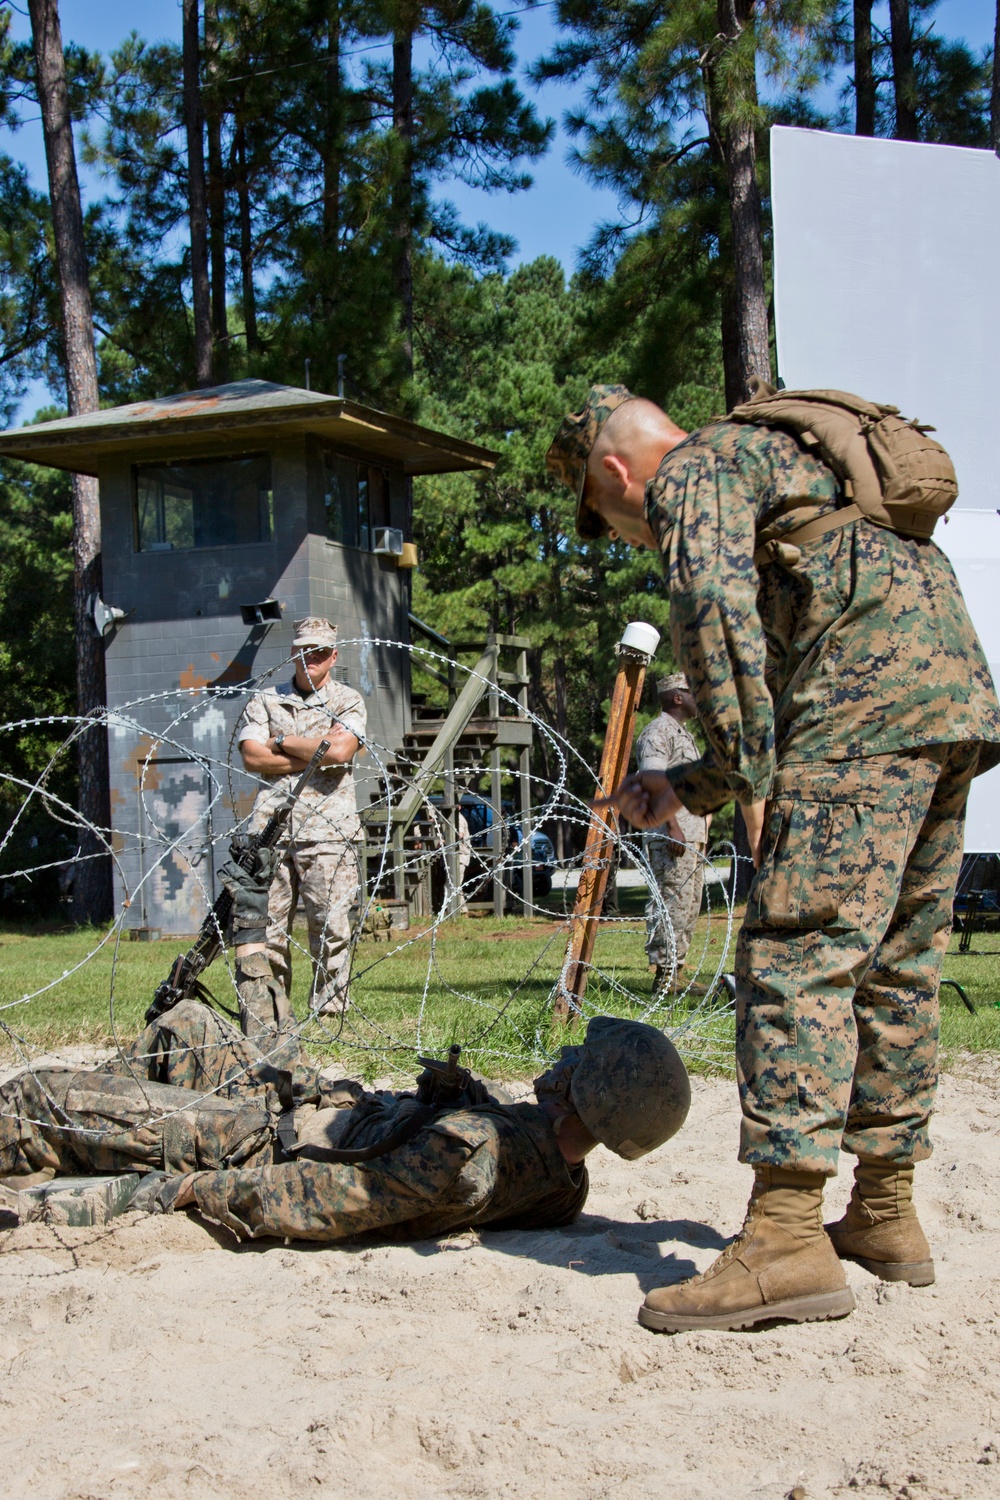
226	514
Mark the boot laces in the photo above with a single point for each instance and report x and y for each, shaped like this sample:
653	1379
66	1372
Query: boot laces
754	1212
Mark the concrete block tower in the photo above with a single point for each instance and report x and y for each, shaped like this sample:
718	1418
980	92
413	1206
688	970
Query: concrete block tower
226	514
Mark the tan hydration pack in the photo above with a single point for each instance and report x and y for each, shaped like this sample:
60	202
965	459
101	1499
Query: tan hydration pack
890	472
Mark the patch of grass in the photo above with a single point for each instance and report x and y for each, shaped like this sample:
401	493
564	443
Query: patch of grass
483	982
979	975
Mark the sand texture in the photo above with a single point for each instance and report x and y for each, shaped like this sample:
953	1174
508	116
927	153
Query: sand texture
152	1358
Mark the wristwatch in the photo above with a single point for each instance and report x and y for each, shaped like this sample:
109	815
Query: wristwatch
279	740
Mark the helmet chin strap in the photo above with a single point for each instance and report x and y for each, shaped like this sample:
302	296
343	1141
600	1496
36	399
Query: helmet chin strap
552	1089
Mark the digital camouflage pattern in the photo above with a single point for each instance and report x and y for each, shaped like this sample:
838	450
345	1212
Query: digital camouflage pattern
326	813
263	1002
626	1082
679	872
494	1164
838	963
319	862
828	682
73	1121
571	447
862	646
679	869
327	882
315	630
489	1163
663	744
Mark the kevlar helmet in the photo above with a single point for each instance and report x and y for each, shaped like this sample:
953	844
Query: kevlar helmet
629	1086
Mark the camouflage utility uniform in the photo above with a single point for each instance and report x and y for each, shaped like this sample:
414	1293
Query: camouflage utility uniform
679	869
478	1163
321	863
845	685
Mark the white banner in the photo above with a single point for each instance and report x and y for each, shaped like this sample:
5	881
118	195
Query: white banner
886	283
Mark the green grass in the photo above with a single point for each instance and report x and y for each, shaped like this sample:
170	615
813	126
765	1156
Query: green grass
488	987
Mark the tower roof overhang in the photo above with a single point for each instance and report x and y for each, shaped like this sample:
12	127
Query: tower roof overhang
244	415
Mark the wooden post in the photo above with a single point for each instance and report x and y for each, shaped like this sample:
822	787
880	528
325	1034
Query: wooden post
524	781
625	700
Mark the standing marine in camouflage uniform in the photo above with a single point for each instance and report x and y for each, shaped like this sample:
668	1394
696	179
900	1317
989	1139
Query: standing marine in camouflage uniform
278	1150
679	869
282	727
847	705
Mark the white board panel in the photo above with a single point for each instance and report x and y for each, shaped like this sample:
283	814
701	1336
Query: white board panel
885	271
885	256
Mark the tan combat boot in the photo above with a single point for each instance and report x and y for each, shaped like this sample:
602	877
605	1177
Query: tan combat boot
780	1265
880	1229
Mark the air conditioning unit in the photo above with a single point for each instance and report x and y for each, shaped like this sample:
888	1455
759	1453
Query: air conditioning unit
388	541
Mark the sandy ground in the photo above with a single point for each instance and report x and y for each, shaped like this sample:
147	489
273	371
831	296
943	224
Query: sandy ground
150	1359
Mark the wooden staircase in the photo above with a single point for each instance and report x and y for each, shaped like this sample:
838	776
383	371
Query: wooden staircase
411	831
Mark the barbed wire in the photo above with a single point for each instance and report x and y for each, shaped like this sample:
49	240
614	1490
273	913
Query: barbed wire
505	1025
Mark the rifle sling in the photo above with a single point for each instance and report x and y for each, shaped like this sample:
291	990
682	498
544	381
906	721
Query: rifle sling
404	1131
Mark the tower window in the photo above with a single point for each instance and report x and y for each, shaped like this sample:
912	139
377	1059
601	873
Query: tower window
357	500
203	502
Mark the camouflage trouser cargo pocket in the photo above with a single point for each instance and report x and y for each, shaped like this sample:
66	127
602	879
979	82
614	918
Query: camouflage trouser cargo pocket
96	1122
812	862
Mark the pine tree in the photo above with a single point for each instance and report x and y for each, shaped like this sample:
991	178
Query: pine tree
672	103
92	883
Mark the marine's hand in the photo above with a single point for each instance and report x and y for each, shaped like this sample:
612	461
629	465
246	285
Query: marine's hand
185	1193
647	799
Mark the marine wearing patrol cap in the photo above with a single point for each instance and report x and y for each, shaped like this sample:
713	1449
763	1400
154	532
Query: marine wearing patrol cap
675	683
315	631
573	444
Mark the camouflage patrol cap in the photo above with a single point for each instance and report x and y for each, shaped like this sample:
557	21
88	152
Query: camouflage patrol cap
675	683
572	446
315	631
629	1087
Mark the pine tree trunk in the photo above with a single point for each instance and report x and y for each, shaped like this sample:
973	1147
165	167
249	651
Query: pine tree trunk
995	95
402	195
331	157
194	124
92	877
246	240
216	202
904	78
732	370
739	149
864	69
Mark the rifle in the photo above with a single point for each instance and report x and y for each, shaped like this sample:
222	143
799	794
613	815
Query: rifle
183	981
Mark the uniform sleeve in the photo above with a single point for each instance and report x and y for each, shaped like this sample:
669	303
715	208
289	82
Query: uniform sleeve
312	1200
701	510
255	724
657	750
350	713
649	755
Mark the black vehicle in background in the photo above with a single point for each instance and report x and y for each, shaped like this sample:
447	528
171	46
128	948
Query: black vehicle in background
478	815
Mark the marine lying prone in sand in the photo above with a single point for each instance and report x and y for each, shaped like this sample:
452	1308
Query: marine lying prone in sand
283	1151
245	1131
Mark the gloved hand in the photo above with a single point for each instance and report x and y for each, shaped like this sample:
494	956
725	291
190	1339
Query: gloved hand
258	865
249	890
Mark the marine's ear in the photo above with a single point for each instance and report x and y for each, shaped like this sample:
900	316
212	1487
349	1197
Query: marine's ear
614	466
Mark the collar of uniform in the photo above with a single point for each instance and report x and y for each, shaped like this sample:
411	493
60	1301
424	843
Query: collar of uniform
289	690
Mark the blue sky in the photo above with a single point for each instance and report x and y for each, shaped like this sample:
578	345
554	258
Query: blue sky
555	217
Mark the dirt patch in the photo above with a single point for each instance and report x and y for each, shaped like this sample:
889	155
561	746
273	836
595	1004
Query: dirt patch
153	1360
